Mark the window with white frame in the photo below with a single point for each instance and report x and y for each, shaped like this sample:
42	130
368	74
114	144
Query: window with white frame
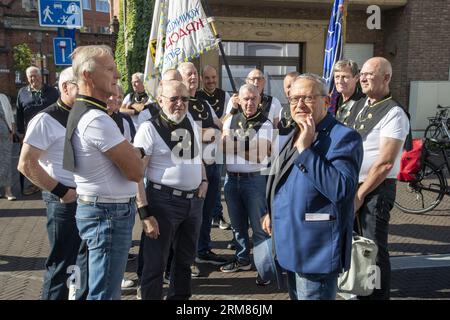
87	5
102	5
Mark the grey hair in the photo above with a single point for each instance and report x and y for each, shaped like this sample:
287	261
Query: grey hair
172	74
64	76
292	74
208	67
346	63
140	75
249	87
320	82
184	65
84	58
31	68
163	83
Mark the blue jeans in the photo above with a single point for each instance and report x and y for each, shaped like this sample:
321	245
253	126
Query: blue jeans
312	286
246	200
107	229
64	243
209	204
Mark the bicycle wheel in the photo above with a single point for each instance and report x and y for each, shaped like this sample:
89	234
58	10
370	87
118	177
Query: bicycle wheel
422	194
433	131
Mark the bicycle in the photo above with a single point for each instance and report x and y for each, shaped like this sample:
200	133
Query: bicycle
438	127
430	184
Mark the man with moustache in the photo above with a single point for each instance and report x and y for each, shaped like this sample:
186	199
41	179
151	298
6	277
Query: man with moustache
170	206
153	109
106	168
309	218
384	126
217	99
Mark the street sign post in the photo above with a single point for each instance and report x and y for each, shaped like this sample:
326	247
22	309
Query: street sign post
60	13
62	49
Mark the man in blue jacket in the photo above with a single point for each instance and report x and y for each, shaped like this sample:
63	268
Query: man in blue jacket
311	193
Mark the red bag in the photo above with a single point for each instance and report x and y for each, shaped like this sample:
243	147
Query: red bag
410	161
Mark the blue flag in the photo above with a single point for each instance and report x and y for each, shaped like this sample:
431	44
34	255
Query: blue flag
333	49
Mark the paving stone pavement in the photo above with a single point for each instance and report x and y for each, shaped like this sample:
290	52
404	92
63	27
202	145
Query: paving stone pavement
24	247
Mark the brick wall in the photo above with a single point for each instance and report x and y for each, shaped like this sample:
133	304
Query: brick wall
23	30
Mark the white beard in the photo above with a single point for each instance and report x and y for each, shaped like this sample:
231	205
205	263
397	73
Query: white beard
174	118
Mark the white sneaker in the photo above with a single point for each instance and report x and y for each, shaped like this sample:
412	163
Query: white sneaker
127	283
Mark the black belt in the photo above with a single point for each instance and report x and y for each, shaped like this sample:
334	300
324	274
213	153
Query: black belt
244	174
178	193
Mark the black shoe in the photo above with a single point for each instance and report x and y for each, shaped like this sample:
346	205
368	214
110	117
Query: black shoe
261	282
235	266
131	257
231	246
210	257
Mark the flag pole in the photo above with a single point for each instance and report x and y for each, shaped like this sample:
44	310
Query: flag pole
213	27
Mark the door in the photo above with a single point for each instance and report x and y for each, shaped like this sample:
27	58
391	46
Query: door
275	60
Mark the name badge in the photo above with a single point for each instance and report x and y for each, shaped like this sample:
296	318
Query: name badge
317	217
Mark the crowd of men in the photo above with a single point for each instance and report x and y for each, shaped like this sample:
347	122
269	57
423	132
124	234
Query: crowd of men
100	160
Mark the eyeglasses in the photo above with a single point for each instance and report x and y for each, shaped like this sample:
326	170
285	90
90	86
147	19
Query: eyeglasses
368	75
176	98
255	78
72	82
293	101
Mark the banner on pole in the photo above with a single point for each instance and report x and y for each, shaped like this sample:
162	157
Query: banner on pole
180	32
334	48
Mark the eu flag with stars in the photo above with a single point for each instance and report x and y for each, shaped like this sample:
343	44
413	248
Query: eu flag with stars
333	50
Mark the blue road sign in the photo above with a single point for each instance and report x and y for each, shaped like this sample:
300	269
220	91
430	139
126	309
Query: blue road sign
60	13
62	49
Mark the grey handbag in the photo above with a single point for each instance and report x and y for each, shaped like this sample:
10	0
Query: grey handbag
363	275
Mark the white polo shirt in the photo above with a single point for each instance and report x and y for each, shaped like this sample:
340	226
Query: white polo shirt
45	133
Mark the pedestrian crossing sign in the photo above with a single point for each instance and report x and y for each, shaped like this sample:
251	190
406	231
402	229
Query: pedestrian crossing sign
60	13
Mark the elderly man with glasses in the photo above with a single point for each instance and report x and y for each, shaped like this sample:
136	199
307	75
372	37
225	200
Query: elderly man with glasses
384	126
171	204
310	194
269	106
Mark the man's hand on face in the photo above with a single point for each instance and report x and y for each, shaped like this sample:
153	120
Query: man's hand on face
307	133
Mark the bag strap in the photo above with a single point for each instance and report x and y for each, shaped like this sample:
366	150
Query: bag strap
358	225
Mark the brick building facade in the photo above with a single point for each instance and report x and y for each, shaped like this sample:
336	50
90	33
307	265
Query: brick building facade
19	23
413	36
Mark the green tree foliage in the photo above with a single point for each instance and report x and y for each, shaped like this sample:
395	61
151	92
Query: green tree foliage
130	56
22	56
